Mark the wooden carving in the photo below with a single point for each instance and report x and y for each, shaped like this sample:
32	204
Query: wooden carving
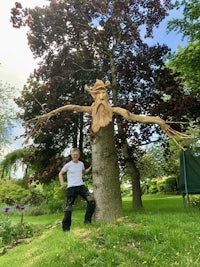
102	113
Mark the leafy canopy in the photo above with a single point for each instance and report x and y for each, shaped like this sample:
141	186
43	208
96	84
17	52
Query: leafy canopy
79	41
186	61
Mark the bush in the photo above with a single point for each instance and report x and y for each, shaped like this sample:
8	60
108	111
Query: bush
164	185
195	201
167	184
55	197
161	185
171	184
150	186
11	194
153	189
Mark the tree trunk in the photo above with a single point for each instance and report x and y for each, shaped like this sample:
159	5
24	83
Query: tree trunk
105	172
136	188
135	178
81	136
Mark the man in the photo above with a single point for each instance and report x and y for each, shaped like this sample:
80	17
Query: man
75	170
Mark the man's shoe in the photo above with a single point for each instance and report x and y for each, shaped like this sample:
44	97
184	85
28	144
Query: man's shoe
66	230
87	222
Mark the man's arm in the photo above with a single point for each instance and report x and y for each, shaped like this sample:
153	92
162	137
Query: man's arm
87	170
61	177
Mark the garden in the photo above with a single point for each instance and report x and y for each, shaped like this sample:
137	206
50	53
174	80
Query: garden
130	126
162	232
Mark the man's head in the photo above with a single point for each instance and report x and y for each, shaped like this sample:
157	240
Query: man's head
75	154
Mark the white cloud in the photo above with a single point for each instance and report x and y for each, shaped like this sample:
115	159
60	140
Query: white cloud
16	59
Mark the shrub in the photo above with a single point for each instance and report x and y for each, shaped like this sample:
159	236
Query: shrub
150	186
161	185
36	197
164	185
153	189
11	194
171	184
167	184
195	201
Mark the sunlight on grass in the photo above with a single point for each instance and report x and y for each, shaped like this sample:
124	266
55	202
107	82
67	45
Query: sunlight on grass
163	233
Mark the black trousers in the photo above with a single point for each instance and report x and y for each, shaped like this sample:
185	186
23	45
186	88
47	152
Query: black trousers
72	193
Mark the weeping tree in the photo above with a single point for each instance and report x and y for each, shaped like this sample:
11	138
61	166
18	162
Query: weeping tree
12	161
79	41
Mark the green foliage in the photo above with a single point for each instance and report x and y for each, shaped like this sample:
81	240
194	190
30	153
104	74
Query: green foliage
188	26
56	197
10	232
126	190
195	201
187	60
41	198
12	161
160	185
159	161
47	198
153	189
12	194
167	184
36	197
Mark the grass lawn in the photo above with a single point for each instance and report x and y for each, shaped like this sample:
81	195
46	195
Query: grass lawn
164	233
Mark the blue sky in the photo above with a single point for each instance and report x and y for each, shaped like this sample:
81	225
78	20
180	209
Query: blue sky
172	39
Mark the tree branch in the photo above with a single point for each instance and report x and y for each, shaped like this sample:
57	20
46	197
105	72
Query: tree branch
155	120
42	118
121	111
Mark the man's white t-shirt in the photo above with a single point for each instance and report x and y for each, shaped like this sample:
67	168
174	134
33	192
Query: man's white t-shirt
74	173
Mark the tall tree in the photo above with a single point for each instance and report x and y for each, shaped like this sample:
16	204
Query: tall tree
105	165
79	41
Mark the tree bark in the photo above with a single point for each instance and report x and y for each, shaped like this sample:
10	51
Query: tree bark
136	188
135	177
105	172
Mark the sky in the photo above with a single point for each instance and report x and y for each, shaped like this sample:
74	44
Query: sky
16	59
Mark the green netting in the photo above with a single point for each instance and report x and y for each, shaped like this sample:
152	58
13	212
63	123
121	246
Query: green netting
189	180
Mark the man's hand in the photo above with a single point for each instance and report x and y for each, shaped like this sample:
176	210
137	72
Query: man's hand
64	187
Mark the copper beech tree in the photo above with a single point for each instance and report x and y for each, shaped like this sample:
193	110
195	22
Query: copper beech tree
104	155
77	41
